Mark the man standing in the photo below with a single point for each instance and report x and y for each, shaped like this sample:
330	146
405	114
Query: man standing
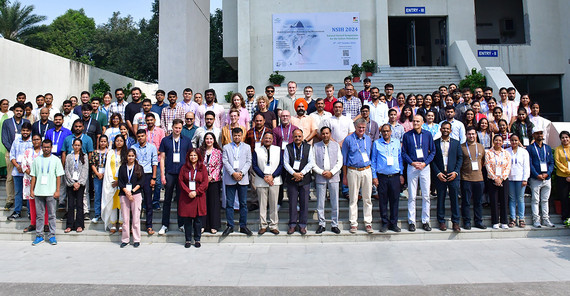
173	111
68	116
254	136
48	98
418	151
364	95
287	103
173	151
298	161
541	167
267	165
396	127
139	121
478	97
329	99
57	134
457	127
46	175
303	121
154	135
328	163
284	132
11	129
99	116
160	104
17	150
189	128
378	110
120	105
472	180
211	105
387	171
187	103
320	114
147	156
250	103
511	93
372	129
133	108
446	164
92	127
308	92
357	174
389	91
85	98
341	126
41	126
40	101
208	127
236	158
351	104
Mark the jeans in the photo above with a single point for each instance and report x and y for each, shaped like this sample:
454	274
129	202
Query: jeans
98	187
157	187
321	199
472	192
18	190
516	199
171	184
230	197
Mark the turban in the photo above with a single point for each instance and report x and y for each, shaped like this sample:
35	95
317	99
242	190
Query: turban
301	101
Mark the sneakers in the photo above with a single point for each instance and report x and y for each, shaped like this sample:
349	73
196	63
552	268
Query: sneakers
353	229
8	205
369	229
96	220
496	226
504	226
536	224
547	223
181	228
38	241
162	230
14	216
52	241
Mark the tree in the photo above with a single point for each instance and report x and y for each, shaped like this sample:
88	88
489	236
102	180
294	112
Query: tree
18	23
220	69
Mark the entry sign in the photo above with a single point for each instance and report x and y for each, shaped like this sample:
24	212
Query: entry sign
488	53
415	10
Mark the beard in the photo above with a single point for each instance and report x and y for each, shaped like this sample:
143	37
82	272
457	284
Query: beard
300	112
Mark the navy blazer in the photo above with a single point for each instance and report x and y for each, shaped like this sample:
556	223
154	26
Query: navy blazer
454	161
535	160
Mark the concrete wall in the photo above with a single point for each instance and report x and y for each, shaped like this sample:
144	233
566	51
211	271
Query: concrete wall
563	9
37	72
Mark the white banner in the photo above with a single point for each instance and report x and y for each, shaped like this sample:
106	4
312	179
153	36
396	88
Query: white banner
316	41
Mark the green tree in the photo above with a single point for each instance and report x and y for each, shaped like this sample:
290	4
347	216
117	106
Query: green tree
220	69
18	22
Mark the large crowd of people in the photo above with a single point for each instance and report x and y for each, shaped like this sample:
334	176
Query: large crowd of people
367	145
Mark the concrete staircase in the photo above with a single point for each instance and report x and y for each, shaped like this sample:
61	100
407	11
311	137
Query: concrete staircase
95	232
417	80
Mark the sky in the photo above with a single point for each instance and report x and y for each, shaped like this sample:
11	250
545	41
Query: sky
100	10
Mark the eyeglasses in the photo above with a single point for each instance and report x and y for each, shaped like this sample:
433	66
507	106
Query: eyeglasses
189	118
269	91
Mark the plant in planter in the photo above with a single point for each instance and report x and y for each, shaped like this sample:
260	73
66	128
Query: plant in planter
473	81
369	67
356	72
276	78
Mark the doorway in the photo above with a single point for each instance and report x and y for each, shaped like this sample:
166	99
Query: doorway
417	41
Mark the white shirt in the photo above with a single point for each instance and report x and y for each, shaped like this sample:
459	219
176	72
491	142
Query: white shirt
318	119
327	161
544	123
140	119
69	119
340	127
520	165
378	113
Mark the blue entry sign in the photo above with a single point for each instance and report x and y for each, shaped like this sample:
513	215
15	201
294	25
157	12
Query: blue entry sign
415	10
488	53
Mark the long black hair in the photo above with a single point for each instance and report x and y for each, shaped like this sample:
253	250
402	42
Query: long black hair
123	152
81	154
139	171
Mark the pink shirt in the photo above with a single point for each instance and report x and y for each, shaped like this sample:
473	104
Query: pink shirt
155	137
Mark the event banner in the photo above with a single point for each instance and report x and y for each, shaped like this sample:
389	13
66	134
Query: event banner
316	41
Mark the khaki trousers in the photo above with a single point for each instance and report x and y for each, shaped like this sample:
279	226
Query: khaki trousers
359	180
268	196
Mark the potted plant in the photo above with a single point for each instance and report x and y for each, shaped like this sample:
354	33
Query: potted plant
276	78
369	67
356	72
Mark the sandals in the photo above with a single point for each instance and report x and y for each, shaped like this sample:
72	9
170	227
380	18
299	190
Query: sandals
512	223
113	230
522	224
213	231
30	228
79	229
67	230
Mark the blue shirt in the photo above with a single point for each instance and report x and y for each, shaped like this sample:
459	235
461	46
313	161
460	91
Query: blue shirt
147	156
58	138
352	149
380	153
412	140
17	150
87	145
182	147
158	109
536	155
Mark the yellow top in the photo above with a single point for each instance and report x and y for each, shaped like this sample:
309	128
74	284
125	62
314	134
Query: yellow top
561	162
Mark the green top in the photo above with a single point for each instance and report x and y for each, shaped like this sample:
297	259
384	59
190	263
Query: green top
50	167
101	118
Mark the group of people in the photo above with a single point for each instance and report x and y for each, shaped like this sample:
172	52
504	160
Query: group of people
361	145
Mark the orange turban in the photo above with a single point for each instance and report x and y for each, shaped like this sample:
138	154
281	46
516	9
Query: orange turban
301	101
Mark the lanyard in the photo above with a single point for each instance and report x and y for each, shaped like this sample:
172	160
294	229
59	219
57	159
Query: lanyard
263	133
295	152
288	133
76	162
564	153
538	154
40	128
88	125
15	125
468	151
174	145
117	164
49	163
415	143
97	118
130	173
388	150
523	129
515	158
497	163
190	175
58	136
359	145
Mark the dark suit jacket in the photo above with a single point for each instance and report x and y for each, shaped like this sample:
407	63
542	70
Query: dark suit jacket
455	158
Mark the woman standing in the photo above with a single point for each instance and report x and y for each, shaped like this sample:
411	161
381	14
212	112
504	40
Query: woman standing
98	160
131	178
484	134
498	164
476	106
427	106
520	172
269	116
522	127
504	132
29	155
234	122
76	172
110	201
562	162
193	182
129	141
105	106
113	128
525	103
411	101
239	103
431	126
406	118
469	118
491	104
419	100
212	155
28	112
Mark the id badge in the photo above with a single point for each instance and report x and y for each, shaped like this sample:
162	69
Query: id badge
284	145
543	167
568	164
364	156
257	145
101	170
75	176
389	161
192	185
129	187
526	142
420	153
54	149
498	171
170	126
176	157
44	180
296	164
236	164
267	170
474	166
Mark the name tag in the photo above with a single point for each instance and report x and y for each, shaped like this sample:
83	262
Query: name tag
419	153
54	149
364	156
267	170
543	167
348	115
129	187
568	163
284	145
257	144
498	171
526	142
75	176
236	164
474	166
176	157
296	164
192	185
389	161
169	126
44	180
101	170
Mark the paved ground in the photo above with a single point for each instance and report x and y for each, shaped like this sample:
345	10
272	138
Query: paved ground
537	266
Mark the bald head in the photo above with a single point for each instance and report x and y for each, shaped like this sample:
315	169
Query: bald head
417	123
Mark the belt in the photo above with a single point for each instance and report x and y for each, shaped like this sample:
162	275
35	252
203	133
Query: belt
389	176
359	169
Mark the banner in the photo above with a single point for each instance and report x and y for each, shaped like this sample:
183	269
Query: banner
316	41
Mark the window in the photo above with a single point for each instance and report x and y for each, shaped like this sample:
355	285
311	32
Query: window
544	89
500	22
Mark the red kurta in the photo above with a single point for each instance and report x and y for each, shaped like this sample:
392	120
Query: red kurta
193	207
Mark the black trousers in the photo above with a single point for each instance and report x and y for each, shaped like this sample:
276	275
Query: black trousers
499	199
213	219
563	188
75	208
389	193
472	192
192	225
169	196
147	193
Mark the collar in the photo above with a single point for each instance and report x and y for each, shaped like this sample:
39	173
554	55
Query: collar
448	140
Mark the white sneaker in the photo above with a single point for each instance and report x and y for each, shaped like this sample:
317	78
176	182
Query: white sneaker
94	220
547	223
495	226
162	230
504	226
181	228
